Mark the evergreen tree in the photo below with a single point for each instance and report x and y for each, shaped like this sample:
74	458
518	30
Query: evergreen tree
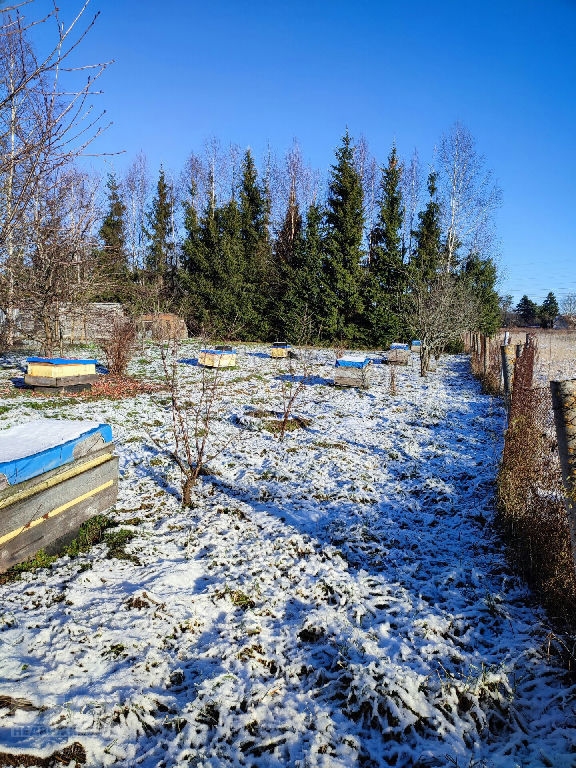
387	276
112	258
481	275
527	310
198	245
160	256
548	311
427	260
255	239
343	269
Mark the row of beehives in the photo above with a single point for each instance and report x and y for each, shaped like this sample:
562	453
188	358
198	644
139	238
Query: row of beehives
55	474
351	370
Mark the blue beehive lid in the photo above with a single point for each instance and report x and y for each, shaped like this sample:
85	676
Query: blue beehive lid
219	351
353	361
416	343
281	345
61	361
29	450
399	346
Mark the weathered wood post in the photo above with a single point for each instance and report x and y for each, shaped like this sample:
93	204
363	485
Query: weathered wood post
485	353
519	350
564	405
508	357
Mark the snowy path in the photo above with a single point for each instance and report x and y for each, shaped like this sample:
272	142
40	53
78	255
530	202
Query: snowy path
336	600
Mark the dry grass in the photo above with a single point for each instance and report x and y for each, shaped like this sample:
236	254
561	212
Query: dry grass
531	497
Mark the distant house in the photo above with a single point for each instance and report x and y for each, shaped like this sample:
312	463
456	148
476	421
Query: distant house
565	322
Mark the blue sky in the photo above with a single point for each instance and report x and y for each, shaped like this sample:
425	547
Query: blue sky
256	72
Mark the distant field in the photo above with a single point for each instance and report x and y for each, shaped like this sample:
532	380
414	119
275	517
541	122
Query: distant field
556	357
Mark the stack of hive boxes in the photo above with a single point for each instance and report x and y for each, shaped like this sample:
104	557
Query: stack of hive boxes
353	371
280	349
54	374
54	475
220	357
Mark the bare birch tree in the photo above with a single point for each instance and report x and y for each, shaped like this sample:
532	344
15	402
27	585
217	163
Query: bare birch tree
469	196
46	121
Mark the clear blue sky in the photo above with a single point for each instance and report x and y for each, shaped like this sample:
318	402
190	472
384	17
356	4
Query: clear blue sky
254	72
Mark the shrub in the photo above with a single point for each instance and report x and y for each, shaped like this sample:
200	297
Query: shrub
119	345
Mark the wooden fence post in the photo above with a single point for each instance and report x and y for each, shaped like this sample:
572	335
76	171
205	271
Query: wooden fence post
519	350
564	405
508	358
485	353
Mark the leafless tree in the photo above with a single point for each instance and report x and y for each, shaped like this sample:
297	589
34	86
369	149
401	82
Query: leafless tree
469	196
194	412
46	121
439	311
136	185
57	271
411	196
568	305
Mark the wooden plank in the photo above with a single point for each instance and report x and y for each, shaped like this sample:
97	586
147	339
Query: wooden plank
55	371
398	356
52	516
353	377
26	505
69	469
62	381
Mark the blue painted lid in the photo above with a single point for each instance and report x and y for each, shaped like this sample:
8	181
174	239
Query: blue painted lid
353	361
399	346
219	351
61	361
416	343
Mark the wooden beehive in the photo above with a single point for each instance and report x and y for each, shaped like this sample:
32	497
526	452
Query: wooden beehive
416	345
217	358
280	349
398	356
60	373
54	476
353	371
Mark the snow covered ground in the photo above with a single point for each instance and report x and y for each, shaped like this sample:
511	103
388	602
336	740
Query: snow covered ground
337	599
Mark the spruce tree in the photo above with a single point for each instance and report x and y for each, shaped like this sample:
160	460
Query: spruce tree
527	310
257	251
112	258
345	222
387	275
160	255
481	275
427	260
548	311
288	253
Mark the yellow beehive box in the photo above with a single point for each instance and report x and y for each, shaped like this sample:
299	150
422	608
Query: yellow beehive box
217	358
280	349
57	368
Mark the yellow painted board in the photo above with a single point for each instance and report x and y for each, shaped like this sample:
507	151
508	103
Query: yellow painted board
278	352
51	371
213	360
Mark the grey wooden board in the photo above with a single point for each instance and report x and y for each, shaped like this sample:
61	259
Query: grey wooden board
398	356
57	390
54	532
10	490
23	511
353	377
61	381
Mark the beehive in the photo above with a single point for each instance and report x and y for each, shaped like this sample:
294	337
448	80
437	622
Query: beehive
398	356
353	371
416	345
280	349
57	373
217	358
54	475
